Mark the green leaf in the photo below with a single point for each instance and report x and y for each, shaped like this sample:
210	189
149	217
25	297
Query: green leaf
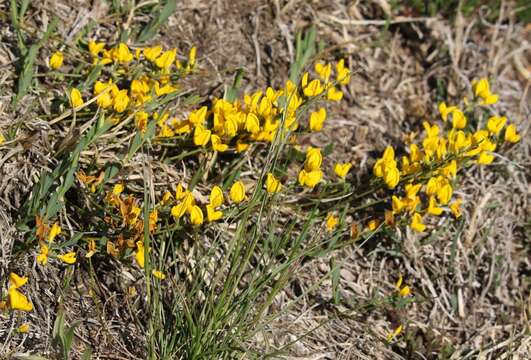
153	26
232	92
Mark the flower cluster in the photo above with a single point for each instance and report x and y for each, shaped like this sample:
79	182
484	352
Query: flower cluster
429	170
15	299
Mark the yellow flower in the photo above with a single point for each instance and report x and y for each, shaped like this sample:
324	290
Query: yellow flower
17	300
216	197
104	100
191	58
416	223
167	58
56	60
252	123
68	258
151	53
201	136
313	159
432	207
405	291
122	53
272	184
139	254
490	99
217	145
458	119
310	178
75	98
23	329
241	147
391	176
455	207
495	124
314	88
2	138
445	110
481	87
54	231
230	127
331	222
395	333
196	215
158	274
237	192
342	169
324	71
212	213
17	281
334	94
343	74
397	204
510	134
42	258
121	100
180	192
185	205
444	194
317	119
95	48
373	224
485	158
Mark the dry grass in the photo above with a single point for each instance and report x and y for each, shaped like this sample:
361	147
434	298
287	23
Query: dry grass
471	279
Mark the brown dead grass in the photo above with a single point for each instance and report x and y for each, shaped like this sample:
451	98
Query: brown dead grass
471	280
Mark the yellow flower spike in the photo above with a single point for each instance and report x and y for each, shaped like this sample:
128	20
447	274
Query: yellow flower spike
54	231
334	94
511	135
394	334
324	71
314	158
17	300
317	119
444	194
122	54
152	53
455	207
42	257
56	60
75	98
495	124
314	88
342	169
416	223
68	258
24	328
139	254
167	58
95	47
273	185
158	274
237	192
252	123
196	215
217	144
212	213
201	136
331	222
432	207
216	197
17	281
485	158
